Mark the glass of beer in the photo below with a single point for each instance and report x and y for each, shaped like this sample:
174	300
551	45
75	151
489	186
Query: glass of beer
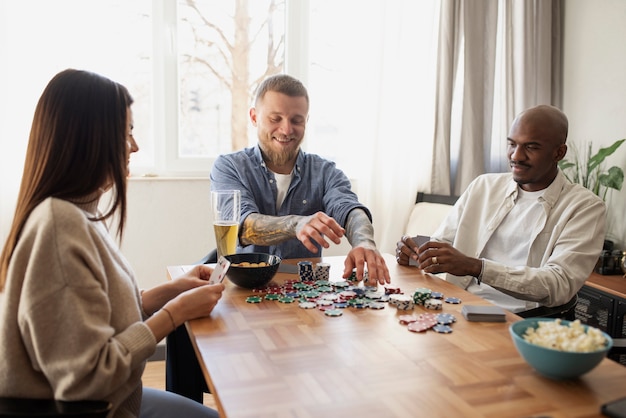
226	206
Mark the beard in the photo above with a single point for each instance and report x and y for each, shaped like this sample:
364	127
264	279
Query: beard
278	158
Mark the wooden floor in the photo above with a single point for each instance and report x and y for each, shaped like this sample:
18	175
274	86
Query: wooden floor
154	377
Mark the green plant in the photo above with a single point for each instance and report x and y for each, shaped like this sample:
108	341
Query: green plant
588	171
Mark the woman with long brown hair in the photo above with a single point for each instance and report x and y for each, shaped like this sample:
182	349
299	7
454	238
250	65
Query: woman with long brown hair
74	325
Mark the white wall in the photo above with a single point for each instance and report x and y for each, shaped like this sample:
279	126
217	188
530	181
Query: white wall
595	87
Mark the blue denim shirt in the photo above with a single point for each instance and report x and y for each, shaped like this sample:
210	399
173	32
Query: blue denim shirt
317	185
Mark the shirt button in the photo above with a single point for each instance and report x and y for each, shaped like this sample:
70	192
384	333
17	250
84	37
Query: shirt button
304	202
271	181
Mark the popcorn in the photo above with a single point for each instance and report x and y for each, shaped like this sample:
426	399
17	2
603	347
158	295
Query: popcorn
573	338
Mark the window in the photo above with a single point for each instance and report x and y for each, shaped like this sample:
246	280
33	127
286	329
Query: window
192	68
190	65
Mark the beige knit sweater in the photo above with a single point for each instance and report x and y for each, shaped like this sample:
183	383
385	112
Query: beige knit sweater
70	317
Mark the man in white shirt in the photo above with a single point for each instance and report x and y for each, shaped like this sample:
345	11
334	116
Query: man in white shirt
522	239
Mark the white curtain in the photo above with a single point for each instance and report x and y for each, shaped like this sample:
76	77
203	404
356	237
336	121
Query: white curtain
495	59
400	155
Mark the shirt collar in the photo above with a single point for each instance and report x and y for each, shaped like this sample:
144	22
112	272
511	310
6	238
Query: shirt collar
551	194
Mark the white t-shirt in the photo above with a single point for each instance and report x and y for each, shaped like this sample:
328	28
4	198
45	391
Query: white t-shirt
510	244
282	184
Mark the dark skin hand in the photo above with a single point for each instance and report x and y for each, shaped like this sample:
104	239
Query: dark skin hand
437	257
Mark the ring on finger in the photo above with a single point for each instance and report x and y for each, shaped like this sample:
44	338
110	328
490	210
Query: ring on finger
434	260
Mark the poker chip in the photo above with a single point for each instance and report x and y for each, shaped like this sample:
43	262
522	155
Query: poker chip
391	290
341	305
407	319
347	294
376	305
433	304
404	302
446	318
322	271
341	283
442	329
254	299
307	305
333	312
272	296
427	318
419	326
286	299
384	298
421	295
325	302
436	295
452	300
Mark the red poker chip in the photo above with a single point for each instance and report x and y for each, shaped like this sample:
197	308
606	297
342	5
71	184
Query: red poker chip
427	318
420	326
407	319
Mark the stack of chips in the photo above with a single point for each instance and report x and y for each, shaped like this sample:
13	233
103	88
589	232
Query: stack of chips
305	270
434	304
404	302
421	295
322	271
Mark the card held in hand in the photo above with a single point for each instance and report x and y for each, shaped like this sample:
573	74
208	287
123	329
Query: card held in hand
219	272
479	313
419	240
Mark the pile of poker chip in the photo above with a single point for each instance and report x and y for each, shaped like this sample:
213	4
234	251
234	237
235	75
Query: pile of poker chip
330	297
440	322
333	297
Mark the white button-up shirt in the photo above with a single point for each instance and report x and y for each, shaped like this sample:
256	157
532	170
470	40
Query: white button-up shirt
564	245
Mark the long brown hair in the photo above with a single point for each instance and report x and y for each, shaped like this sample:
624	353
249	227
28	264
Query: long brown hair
77	145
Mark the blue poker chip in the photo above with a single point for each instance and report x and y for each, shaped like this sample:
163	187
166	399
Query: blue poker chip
445	319
442	329
452	300
436	295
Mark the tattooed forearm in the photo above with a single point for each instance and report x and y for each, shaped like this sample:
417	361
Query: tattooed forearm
268	230
359	230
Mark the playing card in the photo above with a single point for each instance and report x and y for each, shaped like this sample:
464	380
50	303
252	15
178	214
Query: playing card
219	272
419	240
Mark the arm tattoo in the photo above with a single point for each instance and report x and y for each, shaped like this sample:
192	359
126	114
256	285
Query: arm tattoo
359	230
268	230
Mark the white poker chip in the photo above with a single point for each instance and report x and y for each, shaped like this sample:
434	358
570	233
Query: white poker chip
434	304
307	305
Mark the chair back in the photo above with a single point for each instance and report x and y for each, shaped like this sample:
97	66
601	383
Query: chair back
24	407
565	311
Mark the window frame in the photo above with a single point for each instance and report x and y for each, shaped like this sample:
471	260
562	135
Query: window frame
165	84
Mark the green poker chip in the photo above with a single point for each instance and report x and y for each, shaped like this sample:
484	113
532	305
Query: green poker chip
254	299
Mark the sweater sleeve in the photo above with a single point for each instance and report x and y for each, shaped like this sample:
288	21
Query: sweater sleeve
79	317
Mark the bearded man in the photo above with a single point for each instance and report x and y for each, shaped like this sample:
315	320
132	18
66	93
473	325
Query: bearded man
293	203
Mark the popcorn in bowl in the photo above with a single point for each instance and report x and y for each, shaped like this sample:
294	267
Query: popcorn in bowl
572	338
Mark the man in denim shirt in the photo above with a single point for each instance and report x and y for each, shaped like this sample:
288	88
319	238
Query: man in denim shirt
293	203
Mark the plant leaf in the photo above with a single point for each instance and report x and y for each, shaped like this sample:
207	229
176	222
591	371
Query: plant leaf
613	179
598	158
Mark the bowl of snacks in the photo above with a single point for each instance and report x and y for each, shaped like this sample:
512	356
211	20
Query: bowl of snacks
252	270
560	349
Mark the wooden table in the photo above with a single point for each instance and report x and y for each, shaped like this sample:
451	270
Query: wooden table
278	360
